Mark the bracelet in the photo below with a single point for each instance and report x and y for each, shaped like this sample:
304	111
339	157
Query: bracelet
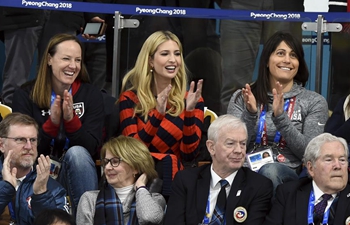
137	188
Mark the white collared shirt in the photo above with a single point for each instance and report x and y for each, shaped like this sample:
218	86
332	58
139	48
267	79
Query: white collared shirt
318	193
215	188
19	181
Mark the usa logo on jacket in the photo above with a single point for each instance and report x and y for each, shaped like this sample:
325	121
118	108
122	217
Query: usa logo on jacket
79	109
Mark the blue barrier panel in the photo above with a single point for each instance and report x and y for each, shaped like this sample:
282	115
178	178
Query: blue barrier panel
174	11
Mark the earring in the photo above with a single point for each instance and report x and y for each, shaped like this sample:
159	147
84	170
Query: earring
151	70
134	175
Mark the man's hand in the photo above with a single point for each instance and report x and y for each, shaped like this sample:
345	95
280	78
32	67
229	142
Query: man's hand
9	174
43	173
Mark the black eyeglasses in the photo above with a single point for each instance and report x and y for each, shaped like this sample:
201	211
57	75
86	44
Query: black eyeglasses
23	140
114	161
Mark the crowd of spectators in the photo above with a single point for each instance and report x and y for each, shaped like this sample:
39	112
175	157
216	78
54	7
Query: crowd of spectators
172	68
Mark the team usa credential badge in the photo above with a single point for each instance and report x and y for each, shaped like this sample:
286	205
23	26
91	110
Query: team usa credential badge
347	221
240	214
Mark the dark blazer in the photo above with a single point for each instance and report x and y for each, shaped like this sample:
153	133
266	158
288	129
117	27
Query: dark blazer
190	192
291	204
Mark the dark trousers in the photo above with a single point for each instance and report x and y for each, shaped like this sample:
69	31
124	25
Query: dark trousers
20	46
240	41
340	68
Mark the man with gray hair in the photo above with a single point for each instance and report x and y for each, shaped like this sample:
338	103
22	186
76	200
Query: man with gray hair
222	192
324	196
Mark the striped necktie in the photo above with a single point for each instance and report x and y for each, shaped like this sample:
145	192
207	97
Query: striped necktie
218	217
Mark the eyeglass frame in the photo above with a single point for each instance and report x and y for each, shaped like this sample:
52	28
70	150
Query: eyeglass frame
22	142
104	164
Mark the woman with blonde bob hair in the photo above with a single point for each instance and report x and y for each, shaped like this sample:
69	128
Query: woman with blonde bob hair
133	152
69	112
154	104
125	199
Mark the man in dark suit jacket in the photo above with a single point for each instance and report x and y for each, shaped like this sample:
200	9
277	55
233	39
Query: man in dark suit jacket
326	160
195	191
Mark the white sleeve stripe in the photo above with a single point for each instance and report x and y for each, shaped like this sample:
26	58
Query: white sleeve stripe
337	3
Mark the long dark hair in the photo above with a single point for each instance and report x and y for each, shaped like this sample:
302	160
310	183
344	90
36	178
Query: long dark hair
261	87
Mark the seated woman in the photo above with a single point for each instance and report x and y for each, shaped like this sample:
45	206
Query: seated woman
279	112
155	107
69	112
339	122
125	198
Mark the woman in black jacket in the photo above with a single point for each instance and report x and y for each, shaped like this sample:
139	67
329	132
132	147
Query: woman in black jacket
70	114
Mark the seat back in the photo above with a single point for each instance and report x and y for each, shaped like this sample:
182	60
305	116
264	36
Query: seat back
204	156
5	110
111	125
210	113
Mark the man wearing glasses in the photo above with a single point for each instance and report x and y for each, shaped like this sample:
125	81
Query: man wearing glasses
25	188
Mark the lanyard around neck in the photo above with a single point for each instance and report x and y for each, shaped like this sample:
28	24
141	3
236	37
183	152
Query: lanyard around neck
261	136
207	213
310	214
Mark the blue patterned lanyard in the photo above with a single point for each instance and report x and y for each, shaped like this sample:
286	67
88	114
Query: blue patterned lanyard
261	126
207	213
262	121
310	214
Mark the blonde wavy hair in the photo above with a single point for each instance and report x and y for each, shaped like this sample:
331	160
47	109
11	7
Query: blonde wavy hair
133	152
41	93
141	79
